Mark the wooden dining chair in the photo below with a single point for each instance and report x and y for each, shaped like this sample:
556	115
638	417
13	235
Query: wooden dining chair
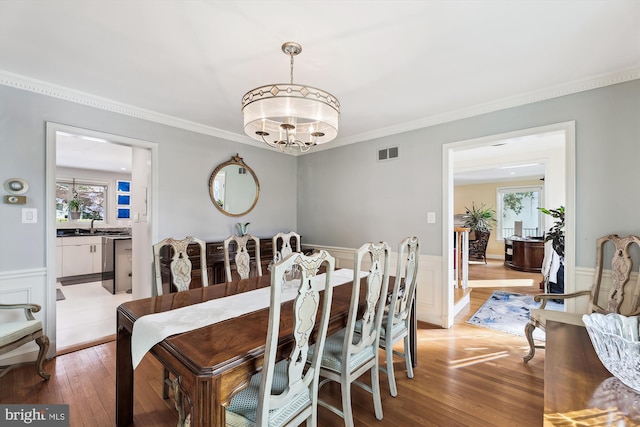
242	257
286	247
348	354
623	296
181	269
285	392
396	322
17	332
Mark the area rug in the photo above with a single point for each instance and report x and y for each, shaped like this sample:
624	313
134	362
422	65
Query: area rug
509	312
506	283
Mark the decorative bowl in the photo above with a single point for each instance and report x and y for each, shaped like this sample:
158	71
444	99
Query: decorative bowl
615	340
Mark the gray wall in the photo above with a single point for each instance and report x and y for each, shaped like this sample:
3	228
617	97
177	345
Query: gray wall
344	195
347	197
185	163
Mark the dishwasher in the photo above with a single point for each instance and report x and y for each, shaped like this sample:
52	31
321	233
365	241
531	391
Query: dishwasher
116	264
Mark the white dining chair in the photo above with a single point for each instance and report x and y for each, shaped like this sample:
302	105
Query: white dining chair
180	264
181	269
285	392
286	247
396	322
348	354
242	257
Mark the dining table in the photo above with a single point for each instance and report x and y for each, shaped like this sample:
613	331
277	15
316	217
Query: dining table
214	362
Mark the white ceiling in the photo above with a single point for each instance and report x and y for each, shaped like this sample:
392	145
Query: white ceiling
394	65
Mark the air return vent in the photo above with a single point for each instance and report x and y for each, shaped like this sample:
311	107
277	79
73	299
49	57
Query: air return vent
388	153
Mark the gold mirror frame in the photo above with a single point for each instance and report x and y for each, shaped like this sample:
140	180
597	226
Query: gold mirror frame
235	161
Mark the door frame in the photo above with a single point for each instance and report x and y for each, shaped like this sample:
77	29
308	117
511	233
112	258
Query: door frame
140	252
447	204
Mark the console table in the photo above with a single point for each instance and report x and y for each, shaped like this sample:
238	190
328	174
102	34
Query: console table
524	254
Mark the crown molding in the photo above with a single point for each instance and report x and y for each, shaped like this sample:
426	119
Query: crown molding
38	86
590	83
61	92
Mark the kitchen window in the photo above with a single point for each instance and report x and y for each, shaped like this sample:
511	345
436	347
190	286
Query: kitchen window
92	197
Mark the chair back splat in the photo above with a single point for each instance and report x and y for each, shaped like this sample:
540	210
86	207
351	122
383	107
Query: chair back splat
180	264
353	350
286	248
242	258
395	325
285	392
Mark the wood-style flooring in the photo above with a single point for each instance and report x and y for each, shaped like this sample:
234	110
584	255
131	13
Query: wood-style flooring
466	376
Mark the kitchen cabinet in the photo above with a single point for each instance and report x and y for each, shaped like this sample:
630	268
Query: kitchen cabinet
81	255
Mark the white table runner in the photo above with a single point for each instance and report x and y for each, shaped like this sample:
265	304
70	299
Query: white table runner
151	329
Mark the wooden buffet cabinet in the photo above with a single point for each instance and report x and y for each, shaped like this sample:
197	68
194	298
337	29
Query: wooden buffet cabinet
524	254
215	262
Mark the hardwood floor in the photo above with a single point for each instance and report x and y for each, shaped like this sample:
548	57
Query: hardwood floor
466	376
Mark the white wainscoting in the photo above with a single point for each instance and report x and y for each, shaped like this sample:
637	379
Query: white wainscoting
429	293
24	286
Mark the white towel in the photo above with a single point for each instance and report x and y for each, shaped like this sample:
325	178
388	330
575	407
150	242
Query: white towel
151	329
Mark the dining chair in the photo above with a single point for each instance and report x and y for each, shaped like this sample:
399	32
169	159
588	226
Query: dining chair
286	247
180	264
623	296
242	257
15	333
285	392
181	269
396	321
348	354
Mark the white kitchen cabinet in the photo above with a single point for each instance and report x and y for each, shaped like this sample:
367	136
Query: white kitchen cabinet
81	255
58	257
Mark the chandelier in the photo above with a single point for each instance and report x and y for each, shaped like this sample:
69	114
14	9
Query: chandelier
290	115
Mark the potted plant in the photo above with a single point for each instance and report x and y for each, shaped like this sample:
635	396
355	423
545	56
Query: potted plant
556	233
75	208
553	267
480	220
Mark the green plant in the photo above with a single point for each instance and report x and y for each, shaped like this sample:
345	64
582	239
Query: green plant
74	205
479	219
556	232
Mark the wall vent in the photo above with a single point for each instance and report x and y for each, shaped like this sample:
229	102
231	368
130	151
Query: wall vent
388	153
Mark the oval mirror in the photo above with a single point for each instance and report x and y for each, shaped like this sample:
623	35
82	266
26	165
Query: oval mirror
234	187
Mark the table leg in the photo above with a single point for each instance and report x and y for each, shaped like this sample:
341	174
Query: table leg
124	377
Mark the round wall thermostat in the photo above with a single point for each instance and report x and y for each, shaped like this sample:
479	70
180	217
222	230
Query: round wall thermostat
16	186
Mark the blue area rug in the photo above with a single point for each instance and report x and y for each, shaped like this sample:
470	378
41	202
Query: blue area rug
509	312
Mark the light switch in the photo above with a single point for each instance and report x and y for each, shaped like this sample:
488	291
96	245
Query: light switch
29	216
431	217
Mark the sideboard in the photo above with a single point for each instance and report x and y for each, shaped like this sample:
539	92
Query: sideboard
214	260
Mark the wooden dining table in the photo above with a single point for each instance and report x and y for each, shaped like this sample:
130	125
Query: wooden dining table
215	362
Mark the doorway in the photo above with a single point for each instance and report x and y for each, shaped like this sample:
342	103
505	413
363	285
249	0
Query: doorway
93	302
555	171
